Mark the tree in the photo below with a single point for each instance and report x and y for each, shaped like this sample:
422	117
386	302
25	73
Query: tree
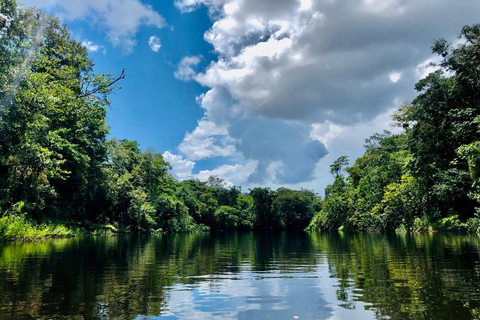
295	209
262	208
441	119
52	140
401	204
337	166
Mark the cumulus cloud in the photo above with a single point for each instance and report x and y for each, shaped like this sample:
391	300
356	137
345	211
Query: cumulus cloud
185	69
121	19
186	6
288	146
301	74
395	76
154	43
346	140
208	140
234	175
326	132
92	47
181	168
427	67
328	61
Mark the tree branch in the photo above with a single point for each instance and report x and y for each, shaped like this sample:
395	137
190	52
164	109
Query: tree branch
97	89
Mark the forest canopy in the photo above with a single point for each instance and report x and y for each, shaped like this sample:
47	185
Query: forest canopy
426	177
57	166
56	163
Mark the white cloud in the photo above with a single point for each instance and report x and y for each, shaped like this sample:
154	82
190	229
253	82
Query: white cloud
91	46
426	67
207	140
191	5
181	168
289	71
305	5
185	71
386	7
121	19
299	60
349	142
395	76
326	132
234	175
286	146
154	43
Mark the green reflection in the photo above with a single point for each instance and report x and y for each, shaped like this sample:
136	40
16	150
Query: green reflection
406	275
398	276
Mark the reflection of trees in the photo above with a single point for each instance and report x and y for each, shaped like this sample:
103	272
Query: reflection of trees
405	275
400	276
121	277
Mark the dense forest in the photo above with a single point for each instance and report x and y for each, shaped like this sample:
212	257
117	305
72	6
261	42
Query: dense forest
61	175
426	178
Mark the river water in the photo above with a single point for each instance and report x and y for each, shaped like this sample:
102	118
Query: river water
243	276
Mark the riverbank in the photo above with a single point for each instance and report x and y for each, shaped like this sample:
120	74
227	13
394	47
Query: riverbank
423	224
19	226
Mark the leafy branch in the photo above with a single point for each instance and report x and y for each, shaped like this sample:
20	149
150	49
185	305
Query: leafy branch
102	87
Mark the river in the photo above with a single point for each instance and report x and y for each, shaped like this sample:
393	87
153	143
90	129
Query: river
252	275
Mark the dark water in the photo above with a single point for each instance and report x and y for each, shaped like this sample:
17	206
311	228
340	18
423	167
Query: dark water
243	276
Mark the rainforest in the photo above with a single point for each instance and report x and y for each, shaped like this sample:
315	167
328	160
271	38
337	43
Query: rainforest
61	174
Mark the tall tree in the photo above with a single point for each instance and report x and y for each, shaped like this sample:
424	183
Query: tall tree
441	119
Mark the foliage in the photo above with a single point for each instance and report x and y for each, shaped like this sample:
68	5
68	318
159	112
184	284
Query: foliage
333	215
441	119
427	177
337	166
401	203
473	224
15	224
56	160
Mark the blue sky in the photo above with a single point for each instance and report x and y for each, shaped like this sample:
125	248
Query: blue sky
153	107
260	93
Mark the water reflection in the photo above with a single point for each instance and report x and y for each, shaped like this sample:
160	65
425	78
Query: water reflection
243	276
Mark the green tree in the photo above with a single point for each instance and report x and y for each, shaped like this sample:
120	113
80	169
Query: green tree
52	139
295	208
262	208
337	166
441	119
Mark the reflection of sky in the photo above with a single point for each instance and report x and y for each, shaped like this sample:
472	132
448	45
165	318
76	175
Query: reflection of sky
252	295
329	286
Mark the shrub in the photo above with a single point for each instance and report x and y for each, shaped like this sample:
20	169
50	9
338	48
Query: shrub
14	224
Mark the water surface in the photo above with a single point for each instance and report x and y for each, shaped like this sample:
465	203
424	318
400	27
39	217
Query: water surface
243	276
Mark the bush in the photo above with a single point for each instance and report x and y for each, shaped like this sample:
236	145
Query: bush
15	224
422	224
473	224
450	223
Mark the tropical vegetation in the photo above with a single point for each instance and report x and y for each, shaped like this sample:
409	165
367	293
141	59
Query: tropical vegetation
427	176
60	174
